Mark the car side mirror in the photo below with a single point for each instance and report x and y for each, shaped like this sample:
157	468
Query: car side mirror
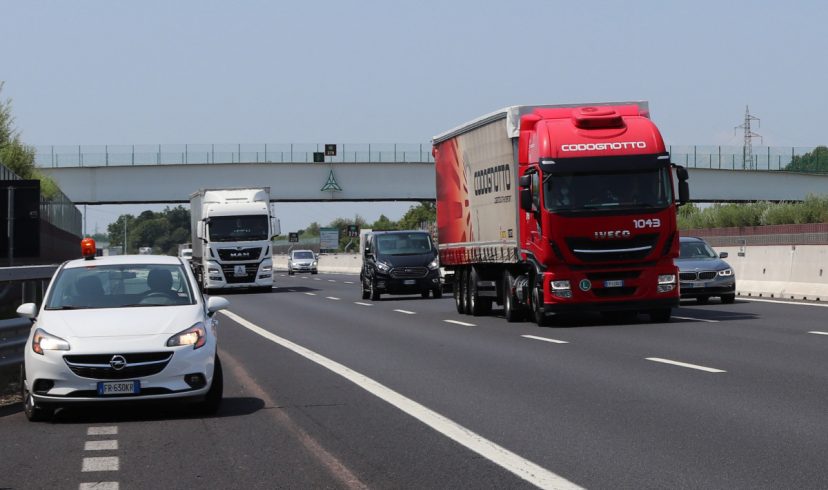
27	310
216	303
723	255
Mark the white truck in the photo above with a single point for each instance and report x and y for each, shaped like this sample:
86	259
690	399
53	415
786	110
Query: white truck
231	232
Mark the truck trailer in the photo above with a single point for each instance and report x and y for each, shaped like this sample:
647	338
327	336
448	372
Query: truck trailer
560	208
231	232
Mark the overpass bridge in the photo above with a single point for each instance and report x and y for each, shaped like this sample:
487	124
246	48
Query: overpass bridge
391	172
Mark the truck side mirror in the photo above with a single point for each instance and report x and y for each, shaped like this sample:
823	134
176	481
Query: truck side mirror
525	181
275	226
526	200
684	192
200	230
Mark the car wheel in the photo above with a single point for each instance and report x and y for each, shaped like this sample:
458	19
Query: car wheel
212	400
702	300
33	411
365	292
728	298
424	294
314	272
437	292
290	272
375	295
511	310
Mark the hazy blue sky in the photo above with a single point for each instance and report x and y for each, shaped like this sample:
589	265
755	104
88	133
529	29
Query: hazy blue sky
106	72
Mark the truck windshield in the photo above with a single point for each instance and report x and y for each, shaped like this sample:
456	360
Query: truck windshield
404	244
608	190
238	228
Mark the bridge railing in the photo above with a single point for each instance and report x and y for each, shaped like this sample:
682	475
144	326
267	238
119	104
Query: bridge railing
737	158
182	154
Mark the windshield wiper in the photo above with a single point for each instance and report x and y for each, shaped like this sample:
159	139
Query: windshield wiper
68	307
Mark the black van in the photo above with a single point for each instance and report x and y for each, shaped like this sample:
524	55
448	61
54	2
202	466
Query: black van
399	262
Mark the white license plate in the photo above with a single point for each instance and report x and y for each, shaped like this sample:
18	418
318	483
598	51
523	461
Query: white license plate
410	282
239	271
614	284
119	387
688	285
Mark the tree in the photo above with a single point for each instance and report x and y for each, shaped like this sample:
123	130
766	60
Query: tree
419	217
814	161
383	223
163	231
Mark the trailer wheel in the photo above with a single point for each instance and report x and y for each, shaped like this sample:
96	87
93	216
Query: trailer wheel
477	306
511	309
460	291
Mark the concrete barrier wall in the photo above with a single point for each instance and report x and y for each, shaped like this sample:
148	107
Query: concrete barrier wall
785	271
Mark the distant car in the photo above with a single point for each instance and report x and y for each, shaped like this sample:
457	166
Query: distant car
703	273
302	261
121	329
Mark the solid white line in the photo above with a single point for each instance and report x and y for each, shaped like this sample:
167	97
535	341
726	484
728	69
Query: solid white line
107	463
311	294
110	430
818	333
406	312
684	364
362	304
109	445
332	297
695	319
499	455
760	300
100	485
460	323
545	339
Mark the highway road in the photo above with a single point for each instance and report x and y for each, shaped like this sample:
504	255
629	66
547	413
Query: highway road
325	390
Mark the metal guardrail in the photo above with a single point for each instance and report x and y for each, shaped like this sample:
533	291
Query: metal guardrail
15	331
13	336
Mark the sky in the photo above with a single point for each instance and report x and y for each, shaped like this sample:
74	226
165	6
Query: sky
149	72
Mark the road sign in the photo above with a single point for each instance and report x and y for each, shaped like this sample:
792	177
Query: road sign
318	157
330	150
329	238
353	231
293	237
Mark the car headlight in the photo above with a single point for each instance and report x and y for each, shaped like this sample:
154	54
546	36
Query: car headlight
726	272
314	263
434	264
43	340
383	266
195	336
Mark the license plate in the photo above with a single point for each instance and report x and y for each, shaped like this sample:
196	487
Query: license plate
688	285
119	388
409	282
614	284
239	271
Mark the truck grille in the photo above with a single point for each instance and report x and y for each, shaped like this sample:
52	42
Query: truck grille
409	272
230	273
693	276
589	250
138	365
251	253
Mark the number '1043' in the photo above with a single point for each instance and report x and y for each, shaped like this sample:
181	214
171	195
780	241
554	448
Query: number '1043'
647	223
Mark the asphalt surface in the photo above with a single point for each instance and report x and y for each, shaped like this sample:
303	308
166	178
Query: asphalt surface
723	396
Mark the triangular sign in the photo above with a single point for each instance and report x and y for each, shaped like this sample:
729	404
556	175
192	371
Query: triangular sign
331	184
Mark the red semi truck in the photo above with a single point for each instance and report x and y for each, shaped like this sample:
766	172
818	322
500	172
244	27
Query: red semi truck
557	208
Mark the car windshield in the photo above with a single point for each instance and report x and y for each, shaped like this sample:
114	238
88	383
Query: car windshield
238	228
118	286
404	244
696	250
302	255
187	253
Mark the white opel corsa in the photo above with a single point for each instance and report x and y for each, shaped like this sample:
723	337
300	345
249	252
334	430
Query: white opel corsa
121	329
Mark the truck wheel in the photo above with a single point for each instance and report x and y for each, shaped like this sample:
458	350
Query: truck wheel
375	295
460	291
511	310
537	308
477	306
661	316
728	298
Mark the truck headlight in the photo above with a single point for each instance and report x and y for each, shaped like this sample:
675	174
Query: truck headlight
195	336
666	283
43	340
561	288
726	272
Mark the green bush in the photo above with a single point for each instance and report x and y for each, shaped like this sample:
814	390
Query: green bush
814	209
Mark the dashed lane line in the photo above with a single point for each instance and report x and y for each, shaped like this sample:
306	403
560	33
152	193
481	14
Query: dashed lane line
406	312
311	294
815	332
99	485
332	297
686	365
695	319
109	430
456	322
521	467
349	282
108	445
100	463
331	280
554	341
362	304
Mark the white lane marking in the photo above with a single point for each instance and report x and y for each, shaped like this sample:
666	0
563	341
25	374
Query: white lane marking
362	304
109	430
106	463
100	485
818	333
349	282
316	279
554	341
460	323
304	278
332	297
684	364
282	275
406	312
695	319
331	280
759	300
108	445
523	468
311	294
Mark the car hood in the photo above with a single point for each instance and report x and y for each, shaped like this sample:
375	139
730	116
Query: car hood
691	265
419	260
120	322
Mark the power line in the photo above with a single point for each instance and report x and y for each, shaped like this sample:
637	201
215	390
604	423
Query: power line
747	149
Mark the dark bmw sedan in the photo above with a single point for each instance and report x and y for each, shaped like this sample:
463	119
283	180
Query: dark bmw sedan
703	273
